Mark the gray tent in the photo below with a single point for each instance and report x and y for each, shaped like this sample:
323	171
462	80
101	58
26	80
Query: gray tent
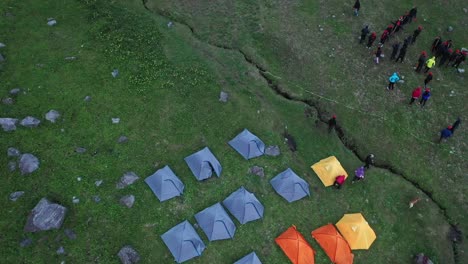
244	206
183	242
249	259
165	184
203	163
248	145
216	223
290	186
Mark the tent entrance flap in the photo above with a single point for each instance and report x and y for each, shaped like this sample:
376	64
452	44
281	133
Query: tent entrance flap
206	170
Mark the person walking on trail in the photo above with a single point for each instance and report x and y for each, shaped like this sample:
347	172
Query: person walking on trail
445	133
339	181
416	34
331	123
364	33
436	43
430	63
395	48
428	79
455	125
371	39
401	55
356	7
425	96
369	161
358	174
392	80
415	94
378	54
384	37
421	61
412	14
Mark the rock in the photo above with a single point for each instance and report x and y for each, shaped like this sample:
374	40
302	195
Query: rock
8	101
12	152
45	216
8	124
401	81
96	198
40	65
98	183
223	97
16	195
30	121
12	166
87	98
2	59
170	24
421	259
127	179
122	139
2	45
70	234
80	150
26	242
128	255
28	163
51	22
115	120
272	151
78	178
72	58
465	10
115	73
127	200
52	116
15	91
75	200
256	170
450	29
60	250
459	70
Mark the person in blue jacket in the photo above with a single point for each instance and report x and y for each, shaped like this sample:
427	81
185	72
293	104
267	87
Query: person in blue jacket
445	133
425	96
392	80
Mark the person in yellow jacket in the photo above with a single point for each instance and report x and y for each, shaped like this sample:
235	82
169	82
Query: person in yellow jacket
430	63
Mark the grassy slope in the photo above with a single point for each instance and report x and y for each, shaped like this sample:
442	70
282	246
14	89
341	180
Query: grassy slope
166	103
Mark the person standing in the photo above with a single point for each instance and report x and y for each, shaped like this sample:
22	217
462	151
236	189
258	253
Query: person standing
415	95
445	57
459	60
401	55
421	61
445	133
425	96
371	39
428	79
356	7
378	53
430	63
455	125
364	33
435	44
384	37
392	80
395	48
416	34
331	123
359	174
453	57
412	14
369	161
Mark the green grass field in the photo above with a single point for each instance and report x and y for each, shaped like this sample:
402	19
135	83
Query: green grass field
166	96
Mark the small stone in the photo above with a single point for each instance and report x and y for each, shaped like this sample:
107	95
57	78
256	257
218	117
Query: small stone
40	65
62	130
52	115
128	255
45	216
26	242
272	151
333	16
12	152
127	200
98	183
16	195
465	10
256	170
8	124
450	29
51	22
70	234
12	166
401	81
459	70
30	121
115	120
60	251
127	179
223	97
78	179
80	150
75	200
170	24
321	29
28	163
8	101
122	139
2	45
115	73
15	91
96	198
87	98
71	58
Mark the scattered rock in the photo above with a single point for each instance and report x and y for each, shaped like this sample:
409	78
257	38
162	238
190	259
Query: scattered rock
98	183
71	58
450	29
128	255
122	139
52	116
127	200
12	166
60	251
256	170
87	98
465	10
96	198
272	151
78	178
75	200
40	65
127	179
223	97
30	121
115	120
170	24
2	45
26	242
459	70
15	91
16	195
8	124
12	152
45	216
28	163
401	81
115	73
8	101
70	234
80	150
51	22
2	59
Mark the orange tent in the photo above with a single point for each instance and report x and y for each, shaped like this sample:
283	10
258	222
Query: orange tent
333	244
356	231
296	247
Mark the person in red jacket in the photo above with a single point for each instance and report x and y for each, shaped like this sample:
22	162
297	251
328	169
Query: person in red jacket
384	37
371	39
339	181
416	94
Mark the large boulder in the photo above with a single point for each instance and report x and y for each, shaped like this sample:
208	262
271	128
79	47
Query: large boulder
128	255
28	163
127	179
45	216
8	124
30	121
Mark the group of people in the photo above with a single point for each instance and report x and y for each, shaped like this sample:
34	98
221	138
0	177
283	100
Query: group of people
358	173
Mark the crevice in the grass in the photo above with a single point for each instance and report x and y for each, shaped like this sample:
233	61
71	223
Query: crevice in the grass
322	117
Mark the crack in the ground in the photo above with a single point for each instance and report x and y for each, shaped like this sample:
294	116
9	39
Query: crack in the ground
321	115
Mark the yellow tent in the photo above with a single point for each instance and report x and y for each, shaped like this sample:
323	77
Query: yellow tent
356	231
327	170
